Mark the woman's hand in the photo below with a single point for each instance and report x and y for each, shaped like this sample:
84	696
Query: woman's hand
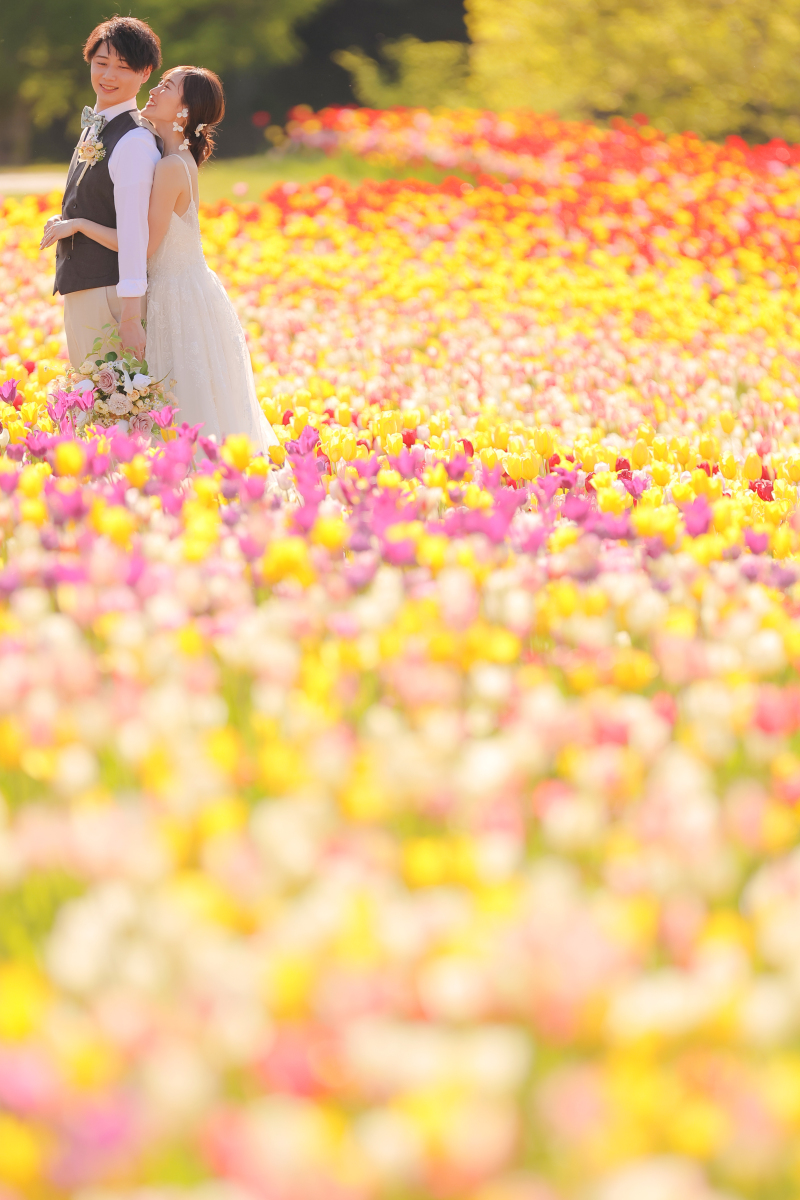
57	228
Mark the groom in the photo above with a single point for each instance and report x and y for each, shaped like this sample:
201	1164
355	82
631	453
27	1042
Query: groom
99	286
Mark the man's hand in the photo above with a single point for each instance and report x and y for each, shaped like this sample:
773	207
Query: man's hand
131	331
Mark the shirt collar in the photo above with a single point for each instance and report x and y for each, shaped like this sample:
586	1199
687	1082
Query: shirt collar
117	109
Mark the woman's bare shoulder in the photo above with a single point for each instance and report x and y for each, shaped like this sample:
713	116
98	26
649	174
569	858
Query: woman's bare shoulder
169	168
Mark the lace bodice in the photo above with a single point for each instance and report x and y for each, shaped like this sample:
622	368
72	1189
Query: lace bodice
181	248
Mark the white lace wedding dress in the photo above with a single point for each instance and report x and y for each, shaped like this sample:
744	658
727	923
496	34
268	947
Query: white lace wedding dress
194	336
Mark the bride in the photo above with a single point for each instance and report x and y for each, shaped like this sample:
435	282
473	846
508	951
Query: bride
193	333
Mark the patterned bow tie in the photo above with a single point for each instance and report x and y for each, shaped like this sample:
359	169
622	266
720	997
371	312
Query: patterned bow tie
92	120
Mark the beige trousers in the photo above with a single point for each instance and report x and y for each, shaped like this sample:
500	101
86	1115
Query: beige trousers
85	315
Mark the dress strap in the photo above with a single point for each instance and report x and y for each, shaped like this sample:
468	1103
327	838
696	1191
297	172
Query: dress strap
185	166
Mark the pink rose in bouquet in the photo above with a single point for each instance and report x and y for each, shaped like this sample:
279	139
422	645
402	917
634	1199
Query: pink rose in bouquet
142	423
107	380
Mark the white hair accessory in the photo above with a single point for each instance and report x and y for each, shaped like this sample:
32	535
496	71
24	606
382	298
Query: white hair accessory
199	129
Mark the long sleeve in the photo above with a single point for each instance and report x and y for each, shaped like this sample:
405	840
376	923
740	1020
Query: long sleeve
131	167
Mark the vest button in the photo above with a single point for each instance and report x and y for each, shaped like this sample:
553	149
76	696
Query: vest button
69	256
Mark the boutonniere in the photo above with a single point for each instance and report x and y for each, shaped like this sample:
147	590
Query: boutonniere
90	151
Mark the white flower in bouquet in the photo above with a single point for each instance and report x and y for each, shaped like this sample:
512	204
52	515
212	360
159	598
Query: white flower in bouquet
119	405
141	382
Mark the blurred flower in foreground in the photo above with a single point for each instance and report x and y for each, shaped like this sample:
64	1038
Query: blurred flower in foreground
414	812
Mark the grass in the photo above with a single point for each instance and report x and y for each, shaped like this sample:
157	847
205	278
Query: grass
263	171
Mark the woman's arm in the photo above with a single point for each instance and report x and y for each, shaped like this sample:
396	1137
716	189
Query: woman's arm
56	228
169	184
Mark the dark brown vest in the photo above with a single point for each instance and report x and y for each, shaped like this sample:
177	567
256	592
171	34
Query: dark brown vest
80	262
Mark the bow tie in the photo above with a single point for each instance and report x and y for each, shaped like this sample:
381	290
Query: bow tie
92	120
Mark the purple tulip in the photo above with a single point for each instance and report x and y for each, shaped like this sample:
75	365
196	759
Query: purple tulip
253	487
163	416
401	553
546	487
9	393
697	517
210	449
756	542
575	508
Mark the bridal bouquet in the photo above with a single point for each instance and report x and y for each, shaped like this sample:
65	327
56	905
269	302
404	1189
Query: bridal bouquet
122	392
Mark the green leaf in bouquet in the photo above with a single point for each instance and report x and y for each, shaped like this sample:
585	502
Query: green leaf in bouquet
111	356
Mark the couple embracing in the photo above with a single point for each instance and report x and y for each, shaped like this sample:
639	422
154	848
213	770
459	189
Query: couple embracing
129	254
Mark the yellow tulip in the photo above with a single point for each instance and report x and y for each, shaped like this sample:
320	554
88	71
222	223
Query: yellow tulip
543	441
752	466
640	454
729	466
513	466
70	458
237	450
709	448
700	482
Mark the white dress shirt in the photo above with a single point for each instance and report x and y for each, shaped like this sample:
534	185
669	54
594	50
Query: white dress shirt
131	167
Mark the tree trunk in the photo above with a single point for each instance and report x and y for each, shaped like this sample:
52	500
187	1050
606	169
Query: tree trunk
15	135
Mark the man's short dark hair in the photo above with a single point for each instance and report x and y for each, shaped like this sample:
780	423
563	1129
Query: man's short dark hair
132	39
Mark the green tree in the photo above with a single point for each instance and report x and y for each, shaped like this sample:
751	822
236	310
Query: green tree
713	66
44	79
420	75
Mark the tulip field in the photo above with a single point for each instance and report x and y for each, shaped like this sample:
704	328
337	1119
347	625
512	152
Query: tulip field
414	814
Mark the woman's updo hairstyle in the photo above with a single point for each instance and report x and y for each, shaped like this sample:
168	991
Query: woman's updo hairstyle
202	94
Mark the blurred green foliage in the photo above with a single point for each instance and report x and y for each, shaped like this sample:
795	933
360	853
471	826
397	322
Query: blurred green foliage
713	66
43	77
28	910
271	54
420	74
